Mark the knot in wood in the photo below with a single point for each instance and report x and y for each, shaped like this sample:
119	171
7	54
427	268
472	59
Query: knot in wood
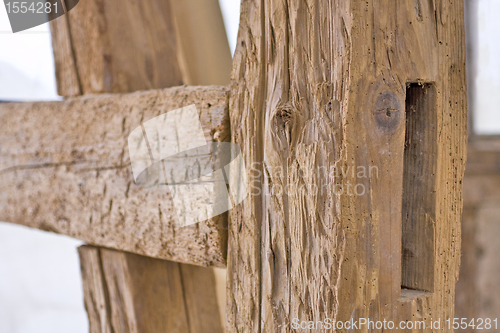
387	112
283	124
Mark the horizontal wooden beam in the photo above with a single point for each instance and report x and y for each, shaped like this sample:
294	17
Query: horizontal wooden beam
65	168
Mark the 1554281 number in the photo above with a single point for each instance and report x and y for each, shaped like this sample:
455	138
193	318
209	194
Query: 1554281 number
474	323
22	7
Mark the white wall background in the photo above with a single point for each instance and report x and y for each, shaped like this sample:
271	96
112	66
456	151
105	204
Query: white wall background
26	64
40	283
484	39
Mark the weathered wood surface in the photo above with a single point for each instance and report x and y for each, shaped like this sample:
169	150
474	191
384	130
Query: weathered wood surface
106	46
64	167
67	77
126	292
319	87
243	310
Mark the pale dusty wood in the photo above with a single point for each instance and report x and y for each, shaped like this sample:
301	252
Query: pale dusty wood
140	294
64	167
247	104
203	49
318	86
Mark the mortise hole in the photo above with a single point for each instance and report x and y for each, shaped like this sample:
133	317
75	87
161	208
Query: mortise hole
419	193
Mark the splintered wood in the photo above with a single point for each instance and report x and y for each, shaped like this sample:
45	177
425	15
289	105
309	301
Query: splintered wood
319	88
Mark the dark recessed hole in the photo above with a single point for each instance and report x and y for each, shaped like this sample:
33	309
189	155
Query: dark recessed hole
419	192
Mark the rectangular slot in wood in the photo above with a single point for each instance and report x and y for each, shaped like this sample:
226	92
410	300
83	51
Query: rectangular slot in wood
419	192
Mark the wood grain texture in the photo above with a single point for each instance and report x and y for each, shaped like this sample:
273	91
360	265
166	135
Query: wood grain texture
68	81
320	87
110	46
246	104
118	46
94	291
64	167
467	296
131	293
203	49
419	182
200	295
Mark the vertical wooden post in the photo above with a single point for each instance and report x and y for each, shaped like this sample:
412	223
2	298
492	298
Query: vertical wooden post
124	46
348	162
126	292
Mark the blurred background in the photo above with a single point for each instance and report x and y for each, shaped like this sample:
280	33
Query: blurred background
478	288
40	283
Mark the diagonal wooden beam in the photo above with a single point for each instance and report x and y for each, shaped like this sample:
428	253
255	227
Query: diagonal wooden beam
125	46
64	167
115	47
203	49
